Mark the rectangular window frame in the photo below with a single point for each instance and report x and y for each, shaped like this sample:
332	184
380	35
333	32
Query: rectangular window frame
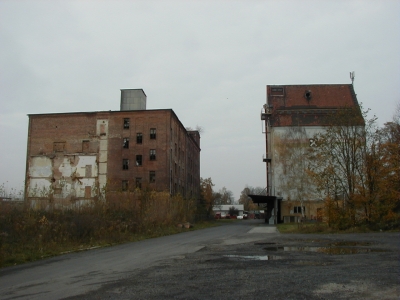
152	176
125	143
126	123
153	133
125	185
125	164
139	138
152	156
139	160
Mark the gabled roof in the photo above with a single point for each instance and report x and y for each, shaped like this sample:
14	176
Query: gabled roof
308	105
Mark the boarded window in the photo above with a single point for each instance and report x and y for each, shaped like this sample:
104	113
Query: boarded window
102	129
88	192
88	171
58	146
85	146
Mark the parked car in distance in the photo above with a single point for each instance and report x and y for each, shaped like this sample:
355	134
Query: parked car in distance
239	217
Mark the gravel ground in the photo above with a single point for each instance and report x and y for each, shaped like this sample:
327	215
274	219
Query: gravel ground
350	266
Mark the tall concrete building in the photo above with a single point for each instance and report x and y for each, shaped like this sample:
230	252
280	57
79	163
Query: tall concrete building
73	157
293	114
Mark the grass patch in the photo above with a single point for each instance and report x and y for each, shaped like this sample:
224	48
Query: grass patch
14	254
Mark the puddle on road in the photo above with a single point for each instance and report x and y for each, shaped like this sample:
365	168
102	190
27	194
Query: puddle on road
254	257
333	250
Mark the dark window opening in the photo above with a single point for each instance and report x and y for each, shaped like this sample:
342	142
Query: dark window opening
126	123
125	185
298	209
138	160
125	164
138	182
125	143
139	138
152	177
152	133
152	154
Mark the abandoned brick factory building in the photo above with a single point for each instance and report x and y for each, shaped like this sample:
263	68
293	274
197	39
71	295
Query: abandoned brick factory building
292	116
72	157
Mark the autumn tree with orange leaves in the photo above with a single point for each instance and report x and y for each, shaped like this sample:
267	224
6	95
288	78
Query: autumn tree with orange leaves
355	167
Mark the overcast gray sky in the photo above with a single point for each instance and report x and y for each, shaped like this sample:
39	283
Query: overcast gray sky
209	61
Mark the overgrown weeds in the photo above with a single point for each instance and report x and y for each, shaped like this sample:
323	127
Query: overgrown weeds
28	235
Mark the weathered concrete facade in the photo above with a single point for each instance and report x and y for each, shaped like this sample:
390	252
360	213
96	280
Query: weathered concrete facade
73	157
293	115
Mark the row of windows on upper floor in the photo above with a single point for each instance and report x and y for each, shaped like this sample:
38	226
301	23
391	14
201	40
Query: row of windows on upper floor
152	130
138	181
139	159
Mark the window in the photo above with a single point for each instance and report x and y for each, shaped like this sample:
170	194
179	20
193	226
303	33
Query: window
139	138
138	160
138	182
152	177
88	192
297	209
125	185
152	133
88	171
152	154
58	147
125	143
85	146
125	164
126	123
277	91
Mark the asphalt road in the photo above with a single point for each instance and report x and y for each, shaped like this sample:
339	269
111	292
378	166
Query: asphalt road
78	273
241	260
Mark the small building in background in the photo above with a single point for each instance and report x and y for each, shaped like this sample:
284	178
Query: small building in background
223	210
73	158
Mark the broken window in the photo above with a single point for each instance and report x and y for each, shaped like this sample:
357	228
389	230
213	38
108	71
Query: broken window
152	133
125	164
58	146
138	182
152	154
139	138
126	123
125	185
125	143
152	177
138	160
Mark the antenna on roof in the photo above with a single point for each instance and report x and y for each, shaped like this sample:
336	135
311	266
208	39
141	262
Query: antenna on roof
352	75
